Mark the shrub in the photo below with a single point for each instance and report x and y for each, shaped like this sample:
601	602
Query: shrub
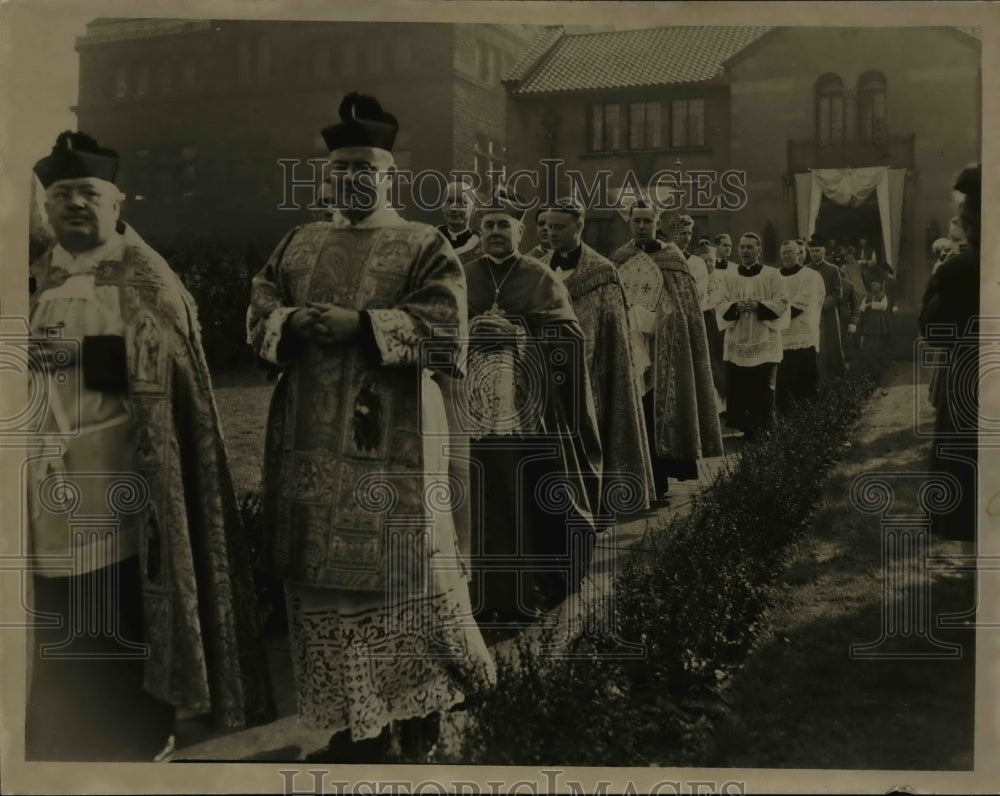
697	597
270	590
218	274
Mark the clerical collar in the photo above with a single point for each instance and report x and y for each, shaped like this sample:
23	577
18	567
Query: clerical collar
567	261
457	237
721	265
791	271
508	260
751	270
650	247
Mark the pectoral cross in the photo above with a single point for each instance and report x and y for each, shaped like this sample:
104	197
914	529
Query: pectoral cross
496	309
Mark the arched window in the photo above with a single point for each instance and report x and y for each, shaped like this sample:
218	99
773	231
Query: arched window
165	74
121	82
142	80
829	110
872	106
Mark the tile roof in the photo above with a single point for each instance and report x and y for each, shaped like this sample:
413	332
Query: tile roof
536	48
619	59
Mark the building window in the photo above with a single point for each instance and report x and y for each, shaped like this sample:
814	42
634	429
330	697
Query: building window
348	58
189	75
404	55
496	65
321	64
483	60
165	180
687	117
872	106
644	125
599	233
142	80
263	60
605	127
165	78
487	157
240	181
140	185
121	82
244	64
402	151
139	181
376	56
829	110
188	180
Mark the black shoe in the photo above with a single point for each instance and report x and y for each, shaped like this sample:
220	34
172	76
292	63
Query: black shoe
341	749
418	737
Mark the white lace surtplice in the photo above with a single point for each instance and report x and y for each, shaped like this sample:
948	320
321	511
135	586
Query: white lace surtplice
362	660
91	428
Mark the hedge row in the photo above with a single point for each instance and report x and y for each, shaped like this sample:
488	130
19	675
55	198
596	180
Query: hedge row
218	275
697	597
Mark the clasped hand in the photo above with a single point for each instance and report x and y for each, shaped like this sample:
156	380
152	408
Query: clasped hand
746	305
325	324
491	325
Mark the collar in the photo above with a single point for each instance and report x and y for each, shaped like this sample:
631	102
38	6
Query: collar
384	216
112	250
567	261
651	247
510	259
456	236
721	265
750	270
790	271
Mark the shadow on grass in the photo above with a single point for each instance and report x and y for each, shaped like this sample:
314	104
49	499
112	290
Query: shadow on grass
907	714
801	700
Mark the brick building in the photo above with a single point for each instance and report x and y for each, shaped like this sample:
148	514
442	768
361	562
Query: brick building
908	99
201	111
774	104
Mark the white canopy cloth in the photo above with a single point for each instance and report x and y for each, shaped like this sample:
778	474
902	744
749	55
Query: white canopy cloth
852	187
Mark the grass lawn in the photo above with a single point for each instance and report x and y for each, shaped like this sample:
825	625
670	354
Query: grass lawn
243	399
802	701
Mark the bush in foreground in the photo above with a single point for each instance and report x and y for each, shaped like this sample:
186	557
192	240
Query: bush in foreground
697	599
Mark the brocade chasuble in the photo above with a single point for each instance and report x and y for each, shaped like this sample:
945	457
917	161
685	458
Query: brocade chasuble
687	424
643	285
344	490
